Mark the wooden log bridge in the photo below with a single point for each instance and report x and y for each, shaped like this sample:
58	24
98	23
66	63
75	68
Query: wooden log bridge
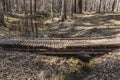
63	45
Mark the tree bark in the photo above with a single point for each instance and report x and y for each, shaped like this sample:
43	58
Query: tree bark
63	12
71	9
74	6
35	10
80	6
52	9
31	11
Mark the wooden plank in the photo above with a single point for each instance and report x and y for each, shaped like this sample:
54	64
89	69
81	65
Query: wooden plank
69	53
64	50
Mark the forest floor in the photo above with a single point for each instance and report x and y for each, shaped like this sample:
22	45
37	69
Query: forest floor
87	25
27	66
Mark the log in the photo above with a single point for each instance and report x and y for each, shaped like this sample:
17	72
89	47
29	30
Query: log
62	46
62	43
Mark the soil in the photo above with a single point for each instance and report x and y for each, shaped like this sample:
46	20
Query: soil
27	66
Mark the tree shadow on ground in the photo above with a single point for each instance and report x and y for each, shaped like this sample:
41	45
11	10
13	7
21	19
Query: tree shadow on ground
97	20
96	25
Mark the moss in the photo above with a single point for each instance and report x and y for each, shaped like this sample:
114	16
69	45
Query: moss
44	13
66	68
10	19
75	68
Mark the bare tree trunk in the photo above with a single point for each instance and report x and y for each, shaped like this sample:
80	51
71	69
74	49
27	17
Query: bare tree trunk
117	3
71	9
113	6
80	6
3	3
85	5
35	10
52	9
63	12
35	6
74	6
17	6
32	28
43	3
24	6
99	7
2	12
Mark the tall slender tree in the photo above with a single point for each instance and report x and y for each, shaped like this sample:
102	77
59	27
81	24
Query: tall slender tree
52	10
75	6
35	10
63	12
80	6
71	9
31	21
